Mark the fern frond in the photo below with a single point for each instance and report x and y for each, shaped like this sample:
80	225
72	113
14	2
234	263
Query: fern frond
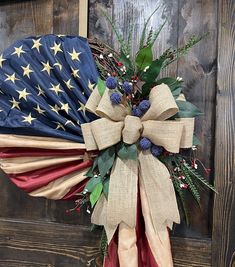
193	189
103	243
143	35
196	175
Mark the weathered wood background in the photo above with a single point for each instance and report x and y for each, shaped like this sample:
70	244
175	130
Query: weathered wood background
37	232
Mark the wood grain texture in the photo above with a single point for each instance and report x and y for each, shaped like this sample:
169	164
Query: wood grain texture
65	17
191	252
224	205
19	19
198	70
98	26
51	244
47	244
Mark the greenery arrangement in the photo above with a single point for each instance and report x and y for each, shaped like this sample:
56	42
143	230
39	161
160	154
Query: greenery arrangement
130	80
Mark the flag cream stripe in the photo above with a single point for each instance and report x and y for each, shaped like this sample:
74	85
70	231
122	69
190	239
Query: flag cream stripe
127	248
59	188
11	140
25	164
159	241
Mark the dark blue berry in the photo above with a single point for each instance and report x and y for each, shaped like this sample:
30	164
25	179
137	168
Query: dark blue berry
111	82
127	87
144	105
137	112
115	98
145	143
156	150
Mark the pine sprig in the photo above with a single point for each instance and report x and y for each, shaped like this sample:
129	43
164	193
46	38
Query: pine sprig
149	38
143	35
170	55
130	39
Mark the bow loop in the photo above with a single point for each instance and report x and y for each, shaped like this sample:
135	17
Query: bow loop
163	105
164	133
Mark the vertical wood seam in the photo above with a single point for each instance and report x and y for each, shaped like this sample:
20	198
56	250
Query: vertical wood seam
83	18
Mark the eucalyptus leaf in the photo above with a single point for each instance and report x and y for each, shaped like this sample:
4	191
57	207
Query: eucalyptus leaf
176	92
91	184
95	194
171	82
105	160
101	86
187	110
196	141
144	57
106	188
126	151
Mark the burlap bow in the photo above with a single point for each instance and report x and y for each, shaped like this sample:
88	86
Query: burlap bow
117	124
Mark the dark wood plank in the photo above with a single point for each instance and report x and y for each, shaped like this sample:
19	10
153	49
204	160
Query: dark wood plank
15	203
188	252
47	244
51	244
198	70
19	19
65	17
98	26
223	237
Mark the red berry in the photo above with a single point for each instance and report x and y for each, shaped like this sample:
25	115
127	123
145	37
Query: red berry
134	78
119	64
78	209
114	74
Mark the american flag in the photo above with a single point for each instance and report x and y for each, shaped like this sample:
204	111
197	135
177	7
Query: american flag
45	82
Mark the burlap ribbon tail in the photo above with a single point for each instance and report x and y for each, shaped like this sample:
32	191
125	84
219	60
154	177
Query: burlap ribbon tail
117	124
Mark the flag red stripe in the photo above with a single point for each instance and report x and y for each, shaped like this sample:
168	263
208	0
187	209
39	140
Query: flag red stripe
71	195
30	181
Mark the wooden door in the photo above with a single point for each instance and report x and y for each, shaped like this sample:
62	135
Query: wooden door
37	232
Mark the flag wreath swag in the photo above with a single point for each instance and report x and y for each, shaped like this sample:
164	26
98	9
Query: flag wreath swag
84	122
